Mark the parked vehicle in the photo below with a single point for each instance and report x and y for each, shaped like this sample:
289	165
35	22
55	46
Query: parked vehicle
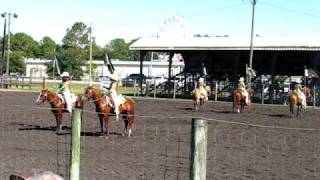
156	80
132	78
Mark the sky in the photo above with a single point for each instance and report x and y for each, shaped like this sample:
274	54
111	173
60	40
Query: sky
130	19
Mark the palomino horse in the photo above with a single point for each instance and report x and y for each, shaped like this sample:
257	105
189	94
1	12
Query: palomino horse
294	100
199	99
57	105
239	101
105	108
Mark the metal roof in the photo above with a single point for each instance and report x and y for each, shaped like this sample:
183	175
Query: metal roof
227	43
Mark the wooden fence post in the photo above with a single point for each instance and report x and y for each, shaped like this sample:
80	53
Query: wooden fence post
134	88
155	88
75	145
198	164
43	82
216	92
314	95
174	88
262	94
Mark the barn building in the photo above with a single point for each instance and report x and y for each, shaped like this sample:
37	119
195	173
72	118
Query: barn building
227	57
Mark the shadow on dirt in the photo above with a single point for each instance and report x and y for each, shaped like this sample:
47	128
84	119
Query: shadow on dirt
28	127
222	111
278	115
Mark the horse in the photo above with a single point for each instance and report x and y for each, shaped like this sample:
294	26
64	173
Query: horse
105	108
294	100
239	101
57	105
198	97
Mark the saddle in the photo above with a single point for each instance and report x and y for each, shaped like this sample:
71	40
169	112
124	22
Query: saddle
61	97
122	99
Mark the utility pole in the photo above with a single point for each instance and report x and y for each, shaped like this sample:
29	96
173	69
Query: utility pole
90	57
3	43
8	15
253	2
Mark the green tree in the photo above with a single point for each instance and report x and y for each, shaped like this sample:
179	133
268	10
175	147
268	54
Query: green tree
17	63
24	43
47	48
118	49
77	36
74	52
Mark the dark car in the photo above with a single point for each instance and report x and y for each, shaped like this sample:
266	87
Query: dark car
133	78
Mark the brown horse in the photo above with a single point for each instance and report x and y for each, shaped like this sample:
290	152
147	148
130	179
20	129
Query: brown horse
105	108
199	99
239	101
295	101
57	105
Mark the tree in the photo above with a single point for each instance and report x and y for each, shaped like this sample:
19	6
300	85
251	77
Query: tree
24	43
47	48
118	49
17	63
74	52
77	36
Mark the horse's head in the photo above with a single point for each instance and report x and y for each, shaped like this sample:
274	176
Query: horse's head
90	93
80	101
208	89
43	97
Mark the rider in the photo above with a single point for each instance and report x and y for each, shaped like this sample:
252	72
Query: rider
109	87
242	87
299	90
201	86
63	89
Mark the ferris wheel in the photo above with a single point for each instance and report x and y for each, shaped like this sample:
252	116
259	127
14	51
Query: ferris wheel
173	27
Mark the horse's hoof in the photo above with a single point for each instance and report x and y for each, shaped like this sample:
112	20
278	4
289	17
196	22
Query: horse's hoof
106	137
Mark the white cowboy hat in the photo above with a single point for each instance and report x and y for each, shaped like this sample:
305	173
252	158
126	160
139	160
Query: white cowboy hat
298	81
201	79
65	74
241	79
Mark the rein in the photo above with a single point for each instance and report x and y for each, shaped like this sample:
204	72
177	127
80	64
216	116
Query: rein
108	103
55	97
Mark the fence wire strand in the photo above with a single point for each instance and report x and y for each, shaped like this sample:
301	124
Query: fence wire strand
233	145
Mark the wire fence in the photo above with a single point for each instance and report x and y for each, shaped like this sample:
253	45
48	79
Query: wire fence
159	148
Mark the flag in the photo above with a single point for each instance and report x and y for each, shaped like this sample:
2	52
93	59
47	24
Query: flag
56	63
251	72
108	63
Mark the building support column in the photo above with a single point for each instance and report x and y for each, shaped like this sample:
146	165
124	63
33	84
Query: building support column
169	73
185	60
273	68
141	58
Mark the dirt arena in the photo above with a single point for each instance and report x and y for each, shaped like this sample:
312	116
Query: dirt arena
262	143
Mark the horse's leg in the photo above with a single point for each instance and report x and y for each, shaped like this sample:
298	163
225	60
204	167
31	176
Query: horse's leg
59	117
195	103
242	106
125	128
106	123
101	124
299	111
130	123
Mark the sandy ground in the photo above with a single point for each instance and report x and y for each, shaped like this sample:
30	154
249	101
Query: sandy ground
264	142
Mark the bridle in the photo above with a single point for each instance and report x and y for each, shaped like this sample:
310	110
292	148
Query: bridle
108	103
47	99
